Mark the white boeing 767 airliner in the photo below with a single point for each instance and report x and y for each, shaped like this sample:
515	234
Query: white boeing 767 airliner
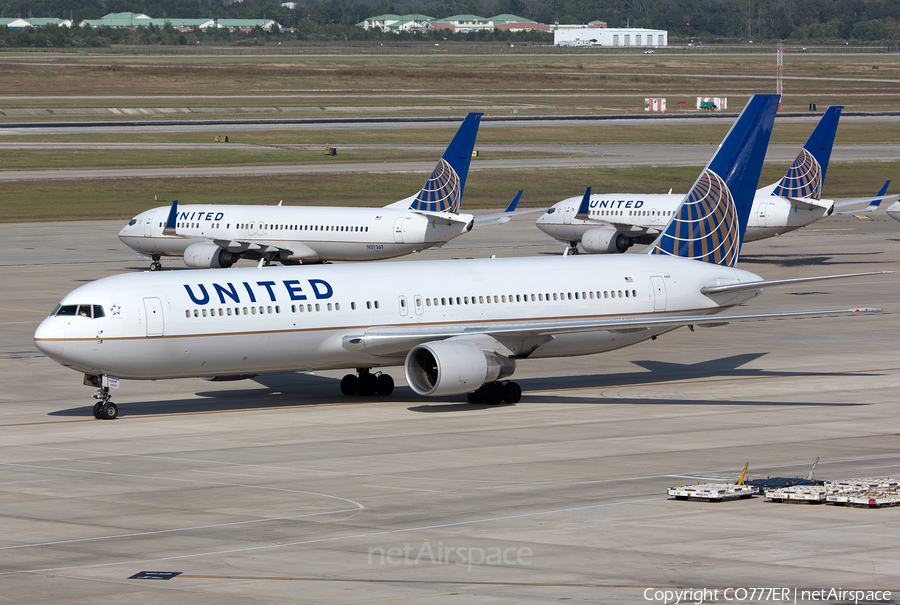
211	236
456	326
613	222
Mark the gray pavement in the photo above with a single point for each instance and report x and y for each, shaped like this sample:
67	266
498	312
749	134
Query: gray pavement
281	490
563	157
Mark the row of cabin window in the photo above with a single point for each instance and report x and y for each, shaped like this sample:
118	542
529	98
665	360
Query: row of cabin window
227	311
464	300
632	213
444	301
308	308
341	228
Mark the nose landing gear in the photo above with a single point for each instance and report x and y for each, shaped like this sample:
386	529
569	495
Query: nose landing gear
104	409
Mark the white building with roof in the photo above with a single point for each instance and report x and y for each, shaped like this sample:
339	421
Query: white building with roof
621	37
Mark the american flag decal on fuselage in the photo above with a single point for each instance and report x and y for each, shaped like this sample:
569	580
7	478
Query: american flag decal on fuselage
441	192
706	227
803	178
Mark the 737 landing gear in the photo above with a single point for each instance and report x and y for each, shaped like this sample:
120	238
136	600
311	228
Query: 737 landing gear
492	393
104	409
155	265
572	249
366	384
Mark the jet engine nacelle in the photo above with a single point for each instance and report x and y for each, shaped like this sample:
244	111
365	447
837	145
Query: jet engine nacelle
207	255
450	367
604	240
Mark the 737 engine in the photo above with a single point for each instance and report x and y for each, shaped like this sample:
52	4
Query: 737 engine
450	367
605	240
208	256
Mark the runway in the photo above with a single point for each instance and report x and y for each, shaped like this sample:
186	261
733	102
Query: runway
279	489
559	157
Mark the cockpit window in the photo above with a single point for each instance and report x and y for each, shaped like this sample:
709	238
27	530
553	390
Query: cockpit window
132	222
551	211
89	311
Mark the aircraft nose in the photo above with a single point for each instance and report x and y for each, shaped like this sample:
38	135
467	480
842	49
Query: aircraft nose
49	338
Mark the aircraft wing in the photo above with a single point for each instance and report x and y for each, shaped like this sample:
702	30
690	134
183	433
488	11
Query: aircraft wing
394	340
295	248
391	341
873	202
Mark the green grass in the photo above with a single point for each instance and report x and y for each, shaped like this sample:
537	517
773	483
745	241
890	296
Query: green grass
83	159
123	198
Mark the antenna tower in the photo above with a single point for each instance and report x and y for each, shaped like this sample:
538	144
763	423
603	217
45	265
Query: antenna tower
779	71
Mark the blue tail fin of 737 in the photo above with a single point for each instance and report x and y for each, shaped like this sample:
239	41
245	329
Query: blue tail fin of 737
444	189
806	176
170	221
709	224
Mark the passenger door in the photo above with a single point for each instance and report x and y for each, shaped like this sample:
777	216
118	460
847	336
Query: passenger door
659	292
154	312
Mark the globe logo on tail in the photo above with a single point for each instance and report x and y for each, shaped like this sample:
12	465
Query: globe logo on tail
441	192
803	178
706	227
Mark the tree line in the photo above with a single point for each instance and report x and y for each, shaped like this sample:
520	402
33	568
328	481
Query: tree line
707	20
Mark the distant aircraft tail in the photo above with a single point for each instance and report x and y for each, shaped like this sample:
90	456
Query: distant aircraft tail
444	189
169	229
709	224
806	176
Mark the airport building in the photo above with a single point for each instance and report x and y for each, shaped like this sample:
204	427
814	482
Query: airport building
35	23
133	20
398	23
611	36
454	23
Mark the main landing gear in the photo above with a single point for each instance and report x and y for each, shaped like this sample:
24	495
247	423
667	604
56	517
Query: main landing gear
155	265
492	393
572	250
104	409
366	384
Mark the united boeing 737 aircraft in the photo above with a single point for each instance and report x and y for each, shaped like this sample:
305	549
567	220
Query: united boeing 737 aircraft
456	326
218	235
894	211
610	223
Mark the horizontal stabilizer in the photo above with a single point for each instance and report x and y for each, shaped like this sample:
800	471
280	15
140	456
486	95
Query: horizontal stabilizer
874	202
809	203
500	218
445	218
769	283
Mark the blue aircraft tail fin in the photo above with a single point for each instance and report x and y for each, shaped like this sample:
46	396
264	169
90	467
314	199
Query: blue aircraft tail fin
170	222
444	189
806	176
709	224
